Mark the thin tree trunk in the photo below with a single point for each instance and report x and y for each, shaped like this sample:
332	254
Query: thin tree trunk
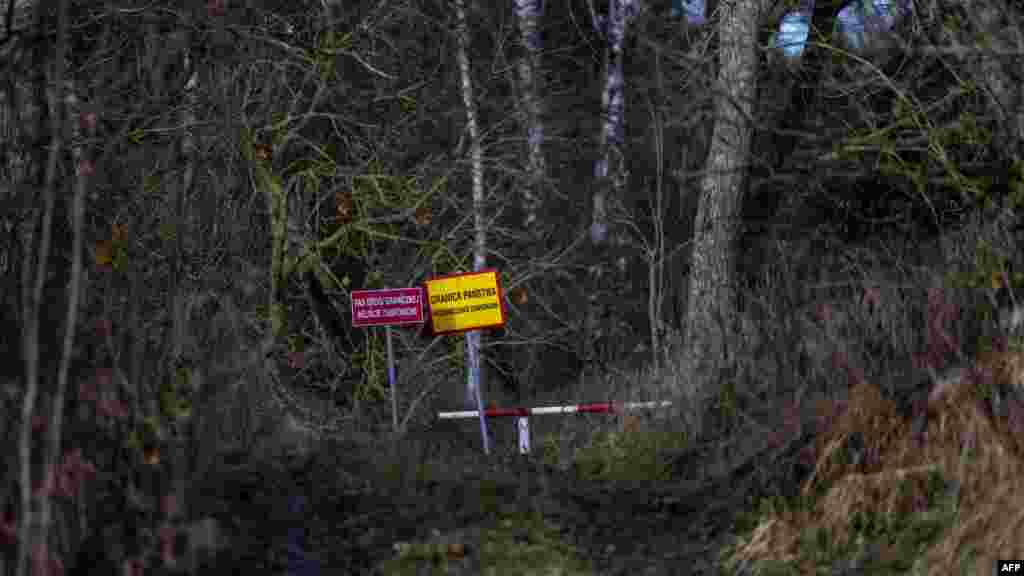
609	180
528	13
53	450
186	448
712	300
31	530
479	225
656	253
533	190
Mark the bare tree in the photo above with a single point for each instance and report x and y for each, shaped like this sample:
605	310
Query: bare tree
712	299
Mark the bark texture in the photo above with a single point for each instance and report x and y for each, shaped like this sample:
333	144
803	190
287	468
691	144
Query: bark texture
479	225
712	300
528	14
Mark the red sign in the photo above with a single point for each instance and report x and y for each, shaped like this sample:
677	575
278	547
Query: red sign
387	307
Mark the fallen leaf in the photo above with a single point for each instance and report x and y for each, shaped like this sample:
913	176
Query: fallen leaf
631	423
169	505
87	120
216	8
167	535
518	296
104	328
112	409
456	550
104	253
104	376
87	392
43	563
9	530
424	216
344	205
872	296
151	456
264	153
133	567
118	232
86	168
47	486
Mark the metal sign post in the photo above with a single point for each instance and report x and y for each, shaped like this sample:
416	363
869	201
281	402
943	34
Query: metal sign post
391	381
389	307
473	385
468	302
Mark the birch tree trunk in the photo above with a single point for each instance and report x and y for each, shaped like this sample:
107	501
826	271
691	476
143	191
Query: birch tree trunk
609	181
609	172
479	225
528	14
711	307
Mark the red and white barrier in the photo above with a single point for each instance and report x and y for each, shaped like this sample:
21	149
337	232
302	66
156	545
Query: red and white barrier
522	414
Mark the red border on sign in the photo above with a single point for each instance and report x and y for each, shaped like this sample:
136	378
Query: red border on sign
420	316
501	301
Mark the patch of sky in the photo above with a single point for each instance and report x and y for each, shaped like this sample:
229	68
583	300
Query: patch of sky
857	21
693	10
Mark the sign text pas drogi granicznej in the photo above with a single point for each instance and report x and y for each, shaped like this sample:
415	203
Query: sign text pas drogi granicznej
387	307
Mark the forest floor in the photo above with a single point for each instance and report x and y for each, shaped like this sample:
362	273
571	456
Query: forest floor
854	488
435	504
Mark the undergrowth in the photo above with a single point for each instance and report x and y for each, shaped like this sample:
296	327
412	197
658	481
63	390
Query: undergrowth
510	544
874	543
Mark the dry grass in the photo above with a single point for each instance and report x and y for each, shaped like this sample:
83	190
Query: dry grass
871	464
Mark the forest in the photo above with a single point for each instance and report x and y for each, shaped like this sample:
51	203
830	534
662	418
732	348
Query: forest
791	226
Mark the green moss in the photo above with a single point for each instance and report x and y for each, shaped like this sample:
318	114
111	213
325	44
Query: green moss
626	456
512	544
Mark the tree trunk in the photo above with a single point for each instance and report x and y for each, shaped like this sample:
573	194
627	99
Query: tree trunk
609	178
528	13
712	301
34	522
479	224
609	181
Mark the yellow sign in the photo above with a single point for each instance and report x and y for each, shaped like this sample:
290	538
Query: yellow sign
462	302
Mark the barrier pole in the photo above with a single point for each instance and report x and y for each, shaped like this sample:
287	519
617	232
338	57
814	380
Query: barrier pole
522	414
